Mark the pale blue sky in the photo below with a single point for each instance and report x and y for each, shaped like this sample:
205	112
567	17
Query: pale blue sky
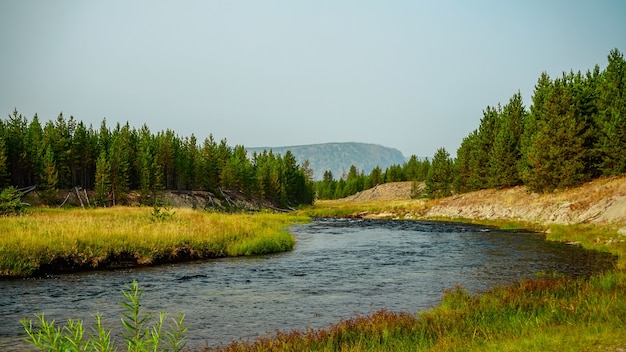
412	75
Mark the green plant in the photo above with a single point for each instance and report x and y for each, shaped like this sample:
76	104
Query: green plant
10	202
161	213
46	336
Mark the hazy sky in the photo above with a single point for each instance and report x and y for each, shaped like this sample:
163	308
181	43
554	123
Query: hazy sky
413	75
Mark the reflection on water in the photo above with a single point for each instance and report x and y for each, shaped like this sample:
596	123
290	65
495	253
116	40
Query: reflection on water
339	268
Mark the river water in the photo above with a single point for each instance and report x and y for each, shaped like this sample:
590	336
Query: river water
339	268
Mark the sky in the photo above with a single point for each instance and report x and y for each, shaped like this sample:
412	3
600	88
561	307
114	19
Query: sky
412	75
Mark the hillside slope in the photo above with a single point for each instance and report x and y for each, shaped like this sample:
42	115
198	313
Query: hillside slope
602	201
338	157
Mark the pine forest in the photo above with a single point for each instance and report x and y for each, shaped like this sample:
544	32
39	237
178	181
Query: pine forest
573	132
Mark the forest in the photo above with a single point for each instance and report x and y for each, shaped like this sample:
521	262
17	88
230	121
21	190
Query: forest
65	153
574	131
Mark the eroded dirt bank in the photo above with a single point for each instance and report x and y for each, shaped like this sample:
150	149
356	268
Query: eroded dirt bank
601	201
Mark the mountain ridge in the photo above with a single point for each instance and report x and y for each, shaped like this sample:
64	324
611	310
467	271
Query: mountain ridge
338	157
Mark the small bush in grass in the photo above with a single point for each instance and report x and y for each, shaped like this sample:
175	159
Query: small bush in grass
10	202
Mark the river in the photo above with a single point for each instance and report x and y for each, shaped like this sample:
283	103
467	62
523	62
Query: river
339	268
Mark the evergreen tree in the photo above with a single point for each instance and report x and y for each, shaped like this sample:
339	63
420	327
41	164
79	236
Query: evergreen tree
557	156
505	152
49	177
467	178
440	176
339	189
146	168
16	155
354	182
411	169
208	169
422	171
532	125
120	159
4	170
611	141
326	187
103	179
35	150
375	178
394	173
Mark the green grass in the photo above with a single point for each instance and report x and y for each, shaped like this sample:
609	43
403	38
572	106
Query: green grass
76	239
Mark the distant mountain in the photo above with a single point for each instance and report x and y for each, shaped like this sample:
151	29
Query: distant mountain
338	157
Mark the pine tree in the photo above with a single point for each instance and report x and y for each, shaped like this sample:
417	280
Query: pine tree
49	177
16	155
440	176
394	173
4	173
208	170
611	141
505	152
375	178
35	150
103	179
326	187
146	167
557	156
411	169
120	156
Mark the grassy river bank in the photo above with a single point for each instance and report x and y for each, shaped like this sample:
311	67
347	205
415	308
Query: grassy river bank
56	240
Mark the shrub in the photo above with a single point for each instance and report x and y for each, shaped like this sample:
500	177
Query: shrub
10	202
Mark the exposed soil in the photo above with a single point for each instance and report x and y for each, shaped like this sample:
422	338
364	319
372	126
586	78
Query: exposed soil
223	200
601	201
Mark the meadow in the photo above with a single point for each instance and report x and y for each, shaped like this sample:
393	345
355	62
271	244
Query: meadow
57	240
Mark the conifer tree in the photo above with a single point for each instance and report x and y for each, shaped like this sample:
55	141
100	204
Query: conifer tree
17	160
611	141
103	179
375	178
146	167
410	170
505	152
207	168
557	156
326	187
3	159
49	177
35	149
440	176
120	158
467	177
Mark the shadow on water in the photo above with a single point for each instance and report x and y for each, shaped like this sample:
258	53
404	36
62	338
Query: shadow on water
339	268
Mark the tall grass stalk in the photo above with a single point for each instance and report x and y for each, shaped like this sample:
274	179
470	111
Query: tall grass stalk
139	337
51	240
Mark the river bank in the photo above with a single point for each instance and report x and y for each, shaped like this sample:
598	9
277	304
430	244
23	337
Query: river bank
542	314
46	241
597	209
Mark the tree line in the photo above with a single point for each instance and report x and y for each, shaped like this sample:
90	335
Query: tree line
65	153
574	131
356	181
